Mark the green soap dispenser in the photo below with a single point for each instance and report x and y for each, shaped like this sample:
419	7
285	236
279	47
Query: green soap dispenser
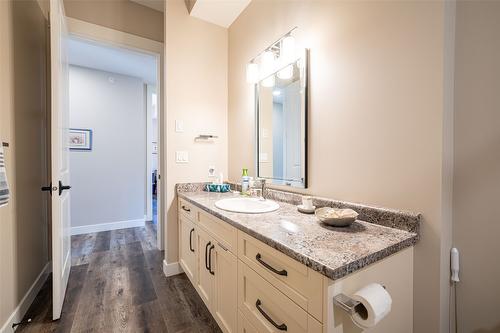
245	181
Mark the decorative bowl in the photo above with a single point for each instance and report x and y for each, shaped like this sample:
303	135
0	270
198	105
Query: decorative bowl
336	217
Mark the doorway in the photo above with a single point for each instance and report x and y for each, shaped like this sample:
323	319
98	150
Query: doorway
113	138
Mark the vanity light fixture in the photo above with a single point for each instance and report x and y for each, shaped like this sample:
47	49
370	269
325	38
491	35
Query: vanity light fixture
281	53
252	72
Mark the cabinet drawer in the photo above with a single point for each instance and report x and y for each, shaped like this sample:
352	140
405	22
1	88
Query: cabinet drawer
187	209
220	230
300	283
244	326
269	310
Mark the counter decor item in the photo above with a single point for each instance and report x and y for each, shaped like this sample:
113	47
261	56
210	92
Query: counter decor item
336	217
223	188
307	205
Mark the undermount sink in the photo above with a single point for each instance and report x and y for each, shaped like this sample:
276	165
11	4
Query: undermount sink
247	205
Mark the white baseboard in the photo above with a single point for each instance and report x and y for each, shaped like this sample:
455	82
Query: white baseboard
171	269
86	229
28	298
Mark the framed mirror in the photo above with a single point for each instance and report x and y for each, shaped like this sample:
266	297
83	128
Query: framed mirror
281	110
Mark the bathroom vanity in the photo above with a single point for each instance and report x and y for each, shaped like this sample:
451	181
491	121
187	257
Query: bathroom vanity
279	271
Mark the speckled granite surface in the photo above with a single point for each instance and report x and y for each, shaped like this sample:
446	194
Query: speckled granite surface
334	252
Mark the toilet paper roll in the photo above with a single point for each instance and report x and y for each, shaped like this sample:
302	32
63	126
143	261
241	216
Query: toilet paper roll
375	305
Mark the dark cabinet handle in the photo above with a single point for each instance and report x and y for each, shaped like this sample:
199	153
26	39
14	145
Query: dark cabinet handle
63	187
191	240
186	209
269	267
210	260
281	327
206	255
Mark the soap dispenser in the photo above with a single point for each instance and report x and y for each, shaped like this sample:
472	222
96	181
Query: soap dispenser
245	181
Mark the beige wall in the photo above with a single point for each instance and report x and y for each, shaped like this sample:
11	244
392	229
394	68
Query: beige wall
477	164
196	93
122	15
23	226
376	112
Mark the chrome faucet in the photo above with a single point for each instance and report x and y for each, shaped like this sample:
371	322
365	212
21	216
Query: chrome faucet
262	188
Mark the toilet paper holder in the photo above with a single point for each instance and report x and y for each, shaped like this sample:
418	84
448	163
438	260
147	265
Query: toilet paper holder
346	303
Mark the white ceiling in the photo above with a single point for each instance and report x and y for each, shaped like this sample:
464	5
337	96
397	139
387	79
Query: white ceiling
158	5
220	12
112	59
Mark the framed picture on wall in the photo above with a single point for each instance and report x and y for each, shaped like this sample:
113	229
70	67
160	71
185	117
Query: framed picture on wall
80	139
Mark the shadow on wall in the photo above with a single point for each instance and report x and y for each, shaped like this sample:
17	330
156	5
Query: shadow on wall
29	105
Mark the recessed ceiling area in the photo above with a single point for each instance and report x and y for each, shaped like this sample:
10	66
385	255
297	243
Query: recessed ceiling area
112	59
220	12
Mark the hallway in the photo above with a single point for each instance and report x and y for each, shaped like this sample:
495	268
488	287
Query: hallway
117	285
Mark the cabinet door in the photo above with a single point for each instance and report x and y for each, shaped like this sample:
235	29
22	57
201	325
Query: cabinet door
206	278
188	247
226	289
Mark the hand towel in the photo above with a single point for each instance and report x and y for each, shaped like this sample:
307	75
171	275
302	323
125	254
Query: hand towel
4	185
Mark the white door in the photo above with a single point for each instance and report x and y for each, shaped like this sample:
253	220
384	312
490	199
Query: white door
61	245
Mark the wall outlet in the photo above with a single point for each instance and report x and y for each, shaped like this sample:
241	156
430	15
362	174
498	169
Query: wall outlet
181	157
211	171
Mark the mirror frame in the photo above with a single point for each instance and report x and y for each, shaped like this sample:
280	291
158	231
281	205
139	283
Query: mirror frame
276	181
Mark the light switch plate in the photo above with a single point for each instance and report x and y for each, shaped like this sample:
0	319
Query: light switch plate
179	126
181	157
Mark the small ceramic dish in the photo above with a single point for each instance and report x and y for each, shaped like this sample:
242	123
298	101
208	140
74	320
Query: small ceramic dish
336	217
305	210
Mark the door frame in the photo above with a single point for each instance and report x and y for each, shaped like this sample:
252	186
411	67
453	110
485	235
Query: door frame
104	35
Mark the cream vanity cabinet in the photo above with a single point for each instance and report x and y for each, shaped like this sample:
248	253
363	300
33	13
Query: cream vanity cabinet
213	270
250	287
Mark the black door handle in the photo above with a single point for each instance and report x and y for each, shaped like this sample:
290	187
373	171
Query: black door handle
269	267
63	187
191	240
281	327
47	189
210	260
206	255
186	209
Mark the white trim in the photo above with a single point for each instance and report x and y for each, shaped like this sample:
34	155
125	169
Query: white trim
86	229
27	300
171	269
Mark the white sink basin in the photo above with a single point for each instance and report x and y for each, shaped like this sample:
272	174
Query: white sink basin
247	205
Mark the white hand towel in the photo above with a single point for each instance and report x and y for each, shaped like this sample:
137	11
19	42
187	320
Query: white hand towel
4	185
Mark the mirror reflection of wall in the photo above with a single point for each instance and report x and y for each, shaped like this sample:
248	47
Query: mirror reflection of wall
282	128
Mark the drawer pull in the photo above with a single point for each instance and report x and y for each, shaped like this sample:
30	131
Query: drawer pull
281	327
269	267
210	260
186	209
206	255
191	240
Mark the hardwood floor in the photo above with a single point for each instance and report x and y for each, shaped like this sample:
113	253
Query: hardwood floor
117	285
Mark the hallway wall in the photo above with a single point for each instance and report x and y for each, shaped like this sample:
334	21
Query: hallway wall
108	184
23	222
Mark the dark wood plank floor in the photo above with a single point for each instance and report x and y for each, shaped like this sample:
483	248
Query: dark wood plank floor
117	285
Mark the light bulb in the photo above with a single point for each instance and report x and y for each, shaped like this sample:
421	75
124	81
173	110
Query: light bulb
286	73
267	63
252	73
287	48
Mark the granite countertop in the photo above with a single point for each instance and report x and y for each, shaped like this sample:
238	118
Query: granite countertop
332	251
